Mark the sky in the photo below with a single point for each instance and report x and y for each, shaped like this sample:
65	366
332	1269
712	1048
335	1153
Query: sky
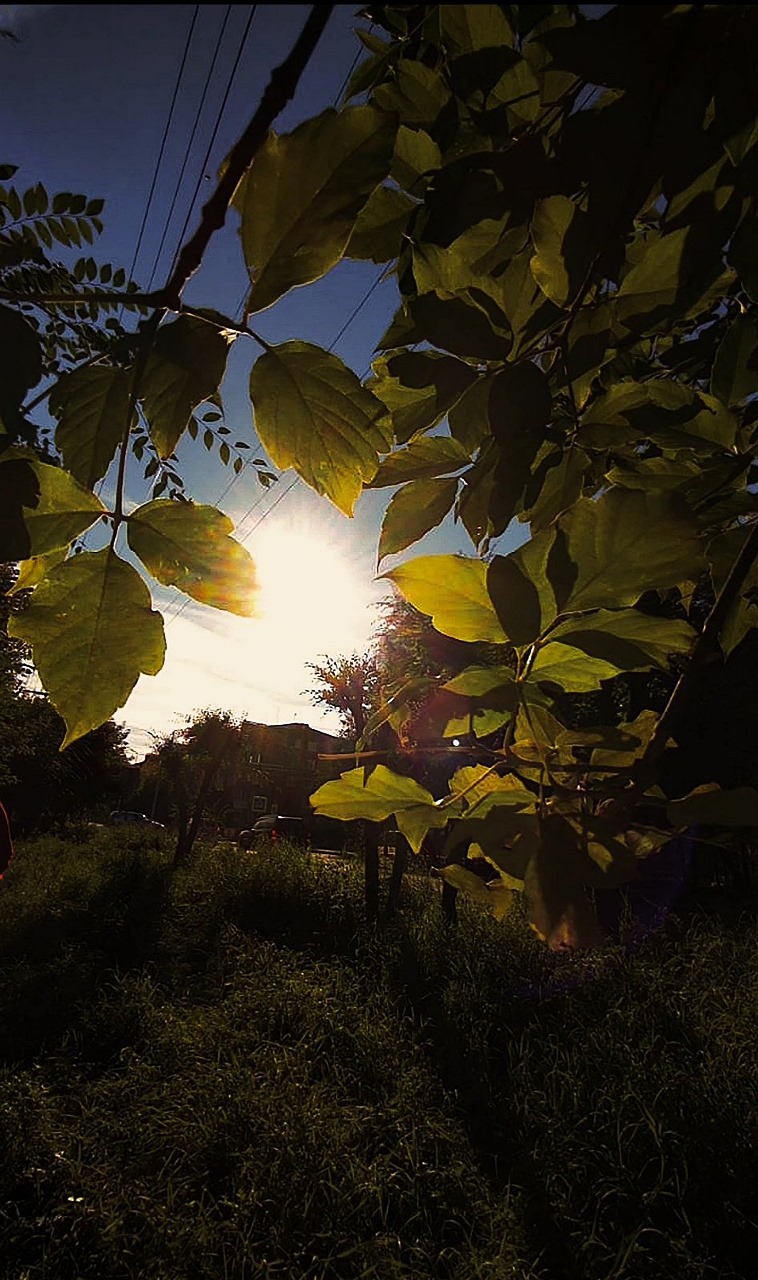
85	96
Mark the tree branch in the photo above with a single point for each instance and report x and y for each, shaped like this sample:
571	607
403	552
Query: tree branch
280	89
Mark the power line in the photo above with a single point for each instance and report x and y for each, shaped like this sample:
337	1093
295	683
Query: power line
219	116
163	140
188	152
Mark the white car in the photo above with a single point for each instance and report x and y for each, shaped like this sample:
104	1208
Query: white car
121	816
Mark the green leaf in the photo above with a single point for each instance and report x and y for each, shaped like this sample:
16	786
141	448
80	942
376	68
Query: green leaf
496	897
20	362
457	324
559	911
474	260
416	154
475	682
735	370
415	822
92	633
467	27
91	406
418	388
669	413
743	253
184	368
722	553
560	234
521	590
379	227
302	195
417	93
312	413
41	508
649	291
735	808
414	510
562	485
421	459
452	590
375	798
626	543
628	638
572	670
189	547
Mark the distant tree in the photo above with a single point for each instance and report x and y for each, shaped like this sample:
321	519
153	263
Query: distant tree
185	767
347	685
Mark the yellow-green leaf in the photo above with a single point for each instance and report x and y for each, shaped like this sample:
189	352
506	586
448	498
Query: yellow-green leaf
378	231
626	543
301	197
421	459
562	248
574	671
713	807
42	507
91	405
627	637
352	795
313	414
190	547
452	590
415	509
92	632
184	368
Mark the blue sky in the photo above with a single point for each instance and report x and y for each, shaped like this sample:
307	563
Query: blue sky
85	93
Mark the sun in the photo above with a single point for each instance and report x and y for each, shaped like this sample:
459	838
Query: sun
312	598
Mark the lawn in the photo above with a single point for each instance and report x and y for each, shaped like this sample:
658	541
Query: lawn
217	1073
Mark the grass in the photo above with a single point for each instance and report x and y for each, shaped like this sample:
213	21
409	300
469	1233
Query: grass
218	1073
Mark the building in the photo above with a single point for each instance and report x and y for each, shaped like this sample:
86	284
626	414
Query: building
276	770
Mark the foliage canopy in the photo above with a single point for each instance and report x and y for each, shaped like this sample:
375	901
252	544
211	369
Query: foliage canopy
569	209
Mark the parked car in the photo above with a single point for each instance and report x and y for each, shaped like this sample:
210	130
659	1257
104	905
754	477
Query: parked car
275	826
323	835
120	817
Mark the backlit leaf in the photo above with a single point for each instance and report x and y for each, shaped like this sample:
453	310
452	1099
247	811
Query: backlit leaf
312	413
572	670
190	547
41	507
416	93
184	368
627	637
418	388
735	370
415	509
626	543
300	198
562	248
92	632
91	407
375	798
378	231
416	154
713	807
428	456
452	590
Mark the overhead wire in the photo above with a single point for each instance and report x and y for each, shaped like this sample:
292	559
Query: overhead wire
164	139
219	117
188	151
296	479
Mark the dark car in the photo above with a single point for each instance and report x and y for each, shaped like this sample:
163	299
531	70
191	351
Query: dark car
323	835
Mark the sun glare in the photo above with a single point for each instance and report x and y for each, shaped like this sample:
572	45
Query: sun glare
311	598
